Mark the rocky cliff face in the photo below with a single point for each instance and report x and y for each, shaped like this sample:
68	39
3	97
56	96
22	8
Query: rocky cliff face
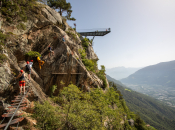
45	27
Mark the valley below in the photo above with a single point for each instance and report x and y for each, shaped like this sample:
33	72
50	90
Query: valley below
162	93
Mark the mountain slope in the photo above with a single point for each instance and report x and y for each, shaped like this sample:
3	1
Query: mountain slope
160	74
121	72
151	110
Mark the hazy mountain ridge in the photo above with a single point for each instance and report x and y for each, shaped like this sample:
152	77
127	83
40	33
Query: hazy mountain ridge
121	72
159	74
151	110
156	81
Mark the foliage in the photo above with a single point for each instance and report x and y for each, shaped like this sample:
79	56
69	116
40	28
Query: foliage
21	26
150	110
91	65
3	37
16	9
47	116
85	43
82	53
78	34
71	34
101	75
33	54
62	6
84	111
52	89
114	86
3	58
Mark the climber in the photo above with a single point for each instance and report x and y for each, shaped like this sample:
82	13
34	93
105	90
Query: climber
50	51
31	63
28	69
63	39
21	81
40	62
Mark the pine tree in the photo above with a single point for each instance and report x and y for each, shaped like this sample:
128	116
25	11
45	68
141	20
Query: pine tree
62	6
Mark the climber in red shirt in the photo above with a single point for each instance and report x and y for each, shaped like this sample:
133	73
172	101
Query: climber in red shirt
21	81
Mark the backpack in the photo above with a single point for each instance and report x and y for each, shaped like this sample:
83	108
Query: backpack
28	67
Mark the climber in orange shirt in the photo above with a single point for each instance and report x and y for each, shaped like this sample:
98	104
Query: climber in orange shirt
40	62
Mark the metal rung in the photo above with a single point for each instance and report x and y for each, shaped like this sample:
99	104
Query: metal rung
10	114
13	122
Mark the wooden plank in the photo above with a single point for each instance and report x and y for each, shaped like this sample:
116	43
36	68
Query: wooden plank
10	114
67	73
22	105
13	121
18	100
59	73
13	110
76	73
18	103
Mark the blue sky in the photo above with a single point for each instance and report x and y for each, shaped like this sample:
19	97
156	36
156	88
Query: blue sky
142	31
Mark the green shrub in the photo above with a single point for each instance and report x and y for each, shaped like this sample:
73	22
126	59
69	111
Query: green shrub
11	33
82	53
16	9
2	37
52	89
84	111
91	65
101	75
21	26
33	54
47	116
72	35
85	43
3	58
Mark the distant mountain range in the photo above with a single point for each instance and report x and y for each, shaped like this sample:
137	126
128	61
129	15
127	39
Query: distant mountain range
121	72
152	111
157	81
159	74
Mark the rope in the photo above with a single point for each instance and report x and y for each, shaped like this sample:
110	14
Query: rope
17	126
2	120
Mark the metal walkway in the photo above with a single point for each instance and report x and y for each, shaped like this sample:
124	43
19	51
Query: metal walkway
93	32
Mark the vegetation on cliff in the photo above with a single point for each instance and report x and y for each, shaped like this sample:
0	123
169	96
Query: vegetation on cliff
75	109
33	54
16	10
3	37
152	111
62	6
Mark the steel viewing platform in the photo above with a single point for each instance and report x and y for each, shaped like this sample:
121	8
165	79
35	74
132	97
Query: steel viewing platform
98	32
